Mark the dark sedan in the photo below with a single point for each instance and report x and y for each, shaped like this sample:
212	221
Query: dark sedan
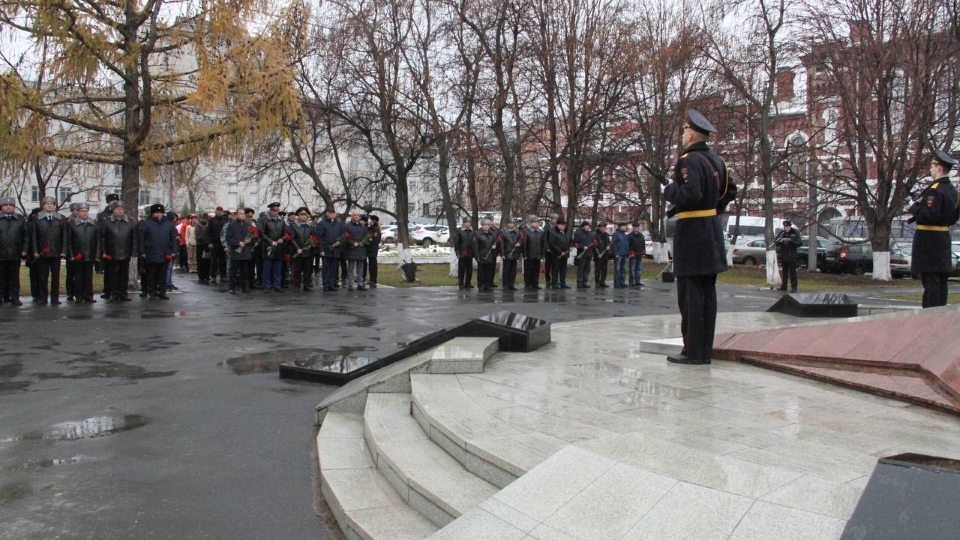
848	259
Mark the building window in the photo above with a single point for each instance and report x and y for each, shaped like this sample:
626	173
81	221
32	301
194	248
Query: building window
34	194
117	171
426	209
65	194
144	197
411	209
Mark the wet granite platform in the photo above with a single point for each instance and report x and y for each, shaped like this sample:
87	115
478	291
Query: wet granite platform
596	437
913	357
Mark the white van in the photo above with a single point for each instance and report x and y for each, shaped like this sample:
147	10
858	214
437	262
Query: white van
749	226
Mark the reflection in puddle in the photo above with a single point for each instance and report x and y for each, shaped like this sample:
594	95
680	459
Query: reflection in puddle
44	463
104	369
98	426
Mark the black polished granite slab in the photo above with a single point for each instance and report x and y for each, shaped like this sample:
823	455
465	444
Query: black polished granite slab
815	305
909	496
515	332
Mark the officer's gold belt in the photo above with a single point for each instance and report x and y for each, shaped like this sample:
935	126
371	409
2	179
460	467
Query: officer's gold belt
936	228
701	213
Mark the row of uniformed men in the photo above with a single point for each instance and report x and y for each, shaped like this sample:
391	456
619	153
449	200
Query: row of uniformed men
551	246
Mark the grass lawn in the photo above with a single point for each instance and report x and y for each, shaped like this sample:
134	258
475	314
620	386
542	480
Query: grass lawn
438	274
432	275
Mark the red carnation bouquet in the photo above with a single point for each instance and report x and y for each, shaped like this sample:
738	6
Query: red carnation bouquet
46	251
251	235
107	257
273	249
311	243
78	257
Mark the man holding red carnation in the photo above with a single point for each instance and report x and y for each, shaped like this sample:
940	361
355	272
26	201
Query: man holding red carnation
157	243
47	241
83	248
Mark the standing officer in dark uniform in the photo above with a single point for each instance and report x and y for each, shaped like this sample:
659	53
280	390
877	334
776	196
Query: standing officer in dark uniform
699	191
602	256
464	246
485	247
118	241
510	250
274	233
533	246
47	241
13	247
787	242
82	240
218	257
157	243
373	250
585	242
558	246
329	231
935	210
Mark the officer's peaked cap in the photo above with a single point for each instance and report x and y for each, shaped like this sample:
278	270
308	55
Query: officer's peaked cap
944	159
698	122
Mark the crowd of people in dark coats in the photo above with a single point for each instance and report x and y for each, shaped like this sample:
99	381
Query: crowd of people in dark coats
546	250
277	251
280	251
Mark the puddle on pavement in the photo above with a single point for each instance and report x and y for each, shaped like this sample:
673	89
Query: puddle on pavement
12	387
107	369
98	426
12	491
44	463
268	362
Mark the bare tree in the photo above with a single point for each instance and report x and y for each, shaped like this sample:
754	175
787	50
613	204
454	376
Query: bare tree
746	58
885	63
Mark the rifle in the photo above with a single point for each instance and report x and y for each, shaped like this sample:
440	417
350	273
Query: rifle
663	182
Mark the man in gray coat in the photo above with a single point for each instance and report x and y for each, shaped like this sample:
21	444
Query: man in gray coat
13	248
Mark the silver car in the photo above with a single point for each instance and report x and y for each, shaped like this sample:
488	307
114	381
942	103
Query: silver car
750	252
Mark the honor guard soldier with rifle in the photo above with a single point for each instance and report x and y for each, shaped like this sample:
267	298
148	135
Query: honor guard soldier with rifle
701	189
934	211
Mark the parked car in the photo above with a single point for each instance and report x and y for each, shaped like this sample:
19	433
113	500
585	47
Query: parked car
427	235
751	252
900	259
388	234
804	250
848	259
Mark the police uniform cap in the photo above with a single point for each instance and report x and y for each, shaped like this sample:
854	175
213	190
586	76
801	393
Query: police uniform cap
116	204
303	209
6	201
518	221
374	218
273	205
699	123
561	221
154	208
83	206
787	224
112	197
944	159
466	220
48	200
531	218
73	206
635	224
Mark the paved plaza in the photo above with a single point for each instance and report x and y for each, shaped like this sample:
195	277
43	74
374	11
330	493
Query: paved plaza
167	420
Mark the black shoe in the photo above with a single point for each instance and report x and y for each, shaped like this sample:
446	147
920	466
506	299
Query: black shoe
172	288
373	285
793	290
683	359
126	298
143	294
537	287
70	299
585	286
784	289
16	302
103	296
55	302
564	286
361	288
163	297
511	288
90	300
603	285
245	291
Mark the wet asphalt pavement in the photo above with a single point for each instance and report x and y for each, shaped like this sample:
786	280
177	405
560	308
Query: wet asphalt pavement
167	420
